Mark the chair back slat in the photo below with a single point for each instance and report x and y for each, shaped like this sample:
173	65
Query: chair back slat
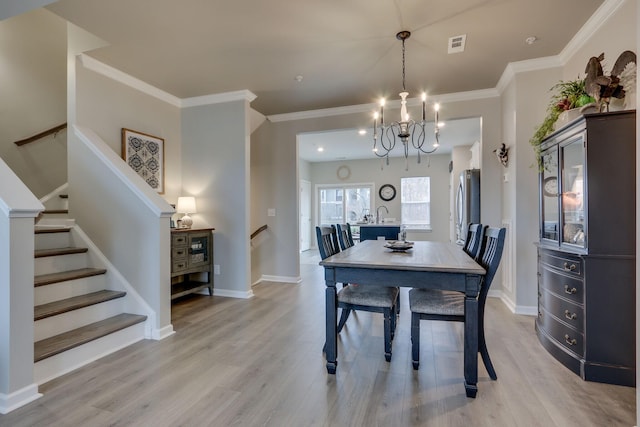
474	239
344	236
490	255
327	241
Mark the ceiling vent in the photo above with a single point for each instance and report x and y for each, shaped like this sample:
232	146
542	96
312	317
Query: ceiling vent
456	43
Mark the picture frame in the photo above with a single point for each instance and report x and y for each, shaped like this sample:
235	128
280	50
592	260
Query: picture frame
144	153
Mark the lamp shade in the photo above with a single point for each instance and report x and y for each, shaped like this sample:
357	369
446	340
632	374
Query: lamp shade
186	205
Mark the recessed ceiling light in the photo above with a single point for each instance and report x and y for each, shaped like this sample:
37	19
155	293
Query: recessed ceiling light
362	132
531	40
320	149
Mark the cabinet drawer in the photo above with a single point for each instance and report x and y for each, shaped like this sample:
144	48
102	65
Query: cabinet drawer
570	313
569	287
567	337
177	266
179	239
565	263
179	253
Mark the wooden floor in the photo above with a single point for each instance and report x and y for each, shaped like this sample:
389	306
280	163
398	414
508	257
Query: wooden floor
259	362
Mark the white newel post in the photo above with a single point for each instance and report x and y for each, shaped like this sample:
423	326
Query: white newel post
18	209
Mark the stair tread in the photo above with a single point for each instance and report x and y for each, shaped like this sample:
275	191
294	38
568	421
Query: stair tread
55	211
74	303
40	253
44	230
76	337
63	276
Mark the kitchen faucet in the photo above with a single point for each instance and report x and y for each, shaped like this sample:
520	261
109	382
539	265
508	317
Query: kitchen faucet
378	213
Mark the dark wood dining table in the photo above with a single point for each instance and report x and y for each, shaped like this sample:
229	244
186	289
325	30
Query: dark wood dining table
429	265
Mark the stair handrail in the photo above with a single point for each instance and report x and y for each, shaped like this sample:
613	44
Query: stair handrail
53	130
258	231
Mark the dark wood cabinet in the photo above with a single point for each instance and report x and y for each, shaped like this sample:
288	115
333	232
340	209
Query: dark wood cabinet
586	254
191	261
372	232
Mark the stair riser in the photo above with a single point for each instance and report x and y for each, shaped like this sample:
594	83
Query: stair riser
69	288
53	240
55	325
60	263
52	367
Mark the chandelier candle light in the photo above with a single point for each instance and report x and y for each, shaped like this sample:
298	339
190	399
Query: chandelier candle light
405	129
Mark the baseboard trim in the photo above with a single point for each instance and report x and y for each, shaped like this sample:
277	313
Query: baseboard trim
233	294
281	279
19	398
524	310
162	333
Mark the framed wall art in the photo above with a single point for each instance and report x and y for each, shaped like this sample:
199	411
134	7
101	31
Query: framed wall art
145	155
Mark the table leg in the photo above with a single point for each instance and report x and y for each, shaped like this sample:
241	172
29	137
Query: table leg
471	346
331	344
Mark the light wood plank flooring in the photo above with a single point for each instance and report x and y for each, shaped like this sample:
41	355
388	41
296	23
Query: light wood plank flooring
258	362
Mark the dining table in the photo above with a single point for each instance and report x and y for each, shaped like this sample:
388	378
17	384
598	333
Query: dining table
428	265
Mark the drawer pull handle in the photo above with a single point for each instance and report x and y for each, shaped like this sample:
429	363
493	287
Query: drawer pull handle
569	267
569	315
569	340
569	291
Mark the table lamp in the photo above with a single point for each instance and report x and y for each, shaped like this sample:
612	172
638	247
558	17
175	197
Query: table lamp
186	206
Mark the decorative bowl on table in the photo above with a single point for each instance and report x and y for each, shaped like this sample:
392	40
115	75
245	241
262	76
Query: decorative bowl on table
398	245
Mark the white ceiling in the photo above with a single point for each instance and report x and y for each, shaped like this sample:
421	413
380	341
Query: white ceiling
346	51
348	144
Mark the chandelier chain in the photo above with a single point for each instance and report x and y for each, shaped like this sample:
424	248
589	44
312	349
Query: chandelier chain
404	89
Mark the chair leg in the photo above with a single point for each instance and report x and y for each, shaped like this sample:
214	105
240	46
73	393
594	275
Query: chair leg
482	348
343	318
415	340
388	313
394	321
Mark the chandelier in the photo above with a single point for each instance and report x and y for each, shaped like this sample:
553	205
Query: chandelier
404	129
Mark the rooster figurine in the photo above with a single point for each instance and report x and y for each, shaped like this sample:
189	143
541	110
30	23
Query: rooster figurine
602	88
503	154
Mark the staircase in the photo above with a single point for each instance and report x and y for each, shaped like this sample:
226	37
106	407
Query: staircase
80	311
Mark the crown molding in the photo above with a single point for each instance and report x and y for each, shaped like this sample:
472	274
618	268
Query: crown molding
514	68
367	108
239	95
135	83
601	15
126	79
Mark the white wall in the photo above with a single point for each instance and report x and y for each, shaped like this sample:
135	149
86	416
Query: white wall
274	156
33	98
106	106
215	169
369	171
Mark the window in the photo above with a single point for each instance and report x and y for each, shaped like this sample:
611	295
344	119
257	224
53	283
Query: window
415	196
339	205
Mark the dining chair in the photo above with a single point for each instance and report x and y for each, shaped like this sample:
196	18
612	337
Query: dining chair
345	238
434	304
346	241
473	240
375	299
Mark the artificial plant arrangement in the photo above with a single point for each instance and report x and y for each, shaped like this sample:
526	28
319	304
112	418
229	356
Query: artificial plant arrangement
595	90
567	95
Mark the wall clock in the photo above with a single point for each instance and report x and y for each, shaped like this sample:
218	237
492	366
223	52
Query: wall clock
550	186
343	172
387	192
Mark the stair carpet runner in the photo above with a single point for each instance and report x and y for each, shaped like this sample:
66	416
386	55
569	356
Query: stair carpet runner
61	342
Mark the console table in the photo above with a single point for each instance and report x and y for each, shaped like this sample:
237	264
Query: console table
191	260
